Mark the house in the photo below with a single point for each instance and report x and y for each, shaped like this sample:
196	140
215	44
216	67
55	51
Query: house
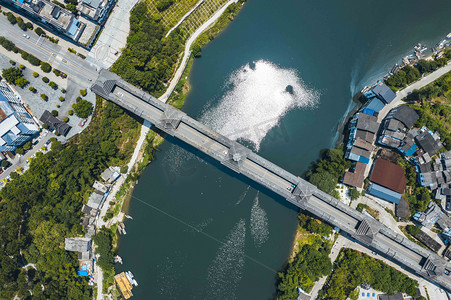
16	124
428	141
428	241
362	130
96	200
432	215
54	123
110	175
384	93
388	181
100	187
82	245
404	114
355	176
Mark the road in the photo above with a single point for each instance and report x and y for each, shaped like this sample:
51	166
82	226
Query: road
414	86
47	51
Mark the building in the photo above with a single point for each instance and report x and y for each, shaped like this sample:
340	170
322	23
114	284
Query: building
16	124
100	187
52	15
428	241
362	130
355	176
429	142
110	175
432	215
388	181
95	10
394	130
384	93
54	123
82	245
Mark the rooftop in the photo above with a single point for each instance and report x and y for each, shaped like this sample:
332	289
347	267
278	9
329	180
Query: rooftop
388	175
384	93
55	123
427	142
79	244
367	123
357	177
404	114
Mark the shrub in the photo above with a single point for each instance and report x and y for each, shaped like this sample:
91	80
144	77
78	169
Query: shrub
44	97
45	126
54	113
29	25
12	62
83	92
53	85
35	74
63	91
11	18
66	119
70	112
45	79
46	67
58	106
71	50
27	146
61	99
39	31
413	230
32	89
124	169
21	67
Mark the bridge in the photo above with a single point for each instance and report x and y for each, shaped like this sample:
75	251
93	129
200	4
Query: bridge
366	230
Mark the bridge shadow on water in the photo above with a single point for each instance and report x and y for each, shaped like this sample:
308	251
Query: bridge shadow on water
226	170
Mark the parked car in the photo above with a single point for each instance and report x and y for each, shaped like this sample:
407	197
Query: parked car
26	36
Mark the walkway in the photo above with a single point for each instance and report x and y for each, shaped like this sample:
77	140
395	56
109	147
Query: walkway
187	53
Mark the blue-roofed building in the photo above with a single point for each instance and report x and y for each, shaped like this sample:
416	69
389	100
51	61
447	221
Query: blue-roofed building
384	93
16	124
375	104
384	193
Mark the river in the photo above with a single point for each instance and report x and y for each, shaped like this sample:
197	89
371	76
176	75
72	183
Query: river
200	232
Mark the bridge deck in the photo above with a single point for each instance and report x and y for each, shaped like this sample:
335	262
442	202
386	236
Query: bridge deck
366	230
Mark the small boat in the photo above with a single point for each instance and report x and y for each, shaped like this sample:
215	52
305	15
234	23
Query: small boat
448	36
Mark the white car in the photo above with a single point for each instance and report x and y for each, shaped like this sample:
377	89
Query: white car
26	36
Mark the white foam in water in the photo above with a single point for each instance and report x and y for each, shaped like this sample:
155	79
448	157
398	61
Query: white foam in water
225	271
257	100
259	224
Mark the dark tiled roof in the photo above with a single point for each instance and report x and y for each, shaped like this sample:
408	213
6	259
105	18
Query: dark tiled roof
404	114
427	143
55	123
388	175
367	123
357	177
365	135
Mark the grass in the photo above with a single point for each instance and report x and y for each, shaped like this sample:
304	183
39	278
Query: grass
374	213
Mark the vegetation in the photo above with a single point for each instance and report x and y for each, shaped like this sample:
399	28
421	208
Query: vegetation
310	263
44	97
46	67
325	172
83	92
53	85
31	58
219	25
413	229
409	74
354	193
35	74
45	79
54	113
70	112
66	119
82	108
149	59
353	268
162	5
42	206
39	31
14	75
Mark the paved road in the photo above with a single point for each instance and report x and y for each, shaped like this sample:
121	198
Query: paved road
47	51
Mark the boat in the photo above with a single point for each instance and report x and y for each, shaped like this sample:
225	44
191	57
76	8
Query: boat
448	36
131	278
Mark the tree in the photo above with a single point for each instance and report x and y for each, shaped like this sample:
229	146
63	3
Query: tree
70	112
33	89
54	113
44	97
413	230
53	85
21	67
46	67
27	146
5	163
83	108
11	18
45	79
324	181
196	50
124	169
11	74
61	99
66	119
83	92
20	151
21	82
63	91
354	194
35	74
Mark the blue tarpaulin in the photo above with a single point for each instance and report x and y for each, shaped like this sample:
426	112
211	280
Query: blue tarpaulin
82	273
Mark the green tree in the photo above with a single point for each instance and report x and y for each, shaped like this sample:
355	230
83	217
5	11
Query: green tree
27	146
354	194
11	18
35	74
21	82
46	67
54	113
20	151
44	97
83	92
66	119
39	31
45	79
83	108
11	74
